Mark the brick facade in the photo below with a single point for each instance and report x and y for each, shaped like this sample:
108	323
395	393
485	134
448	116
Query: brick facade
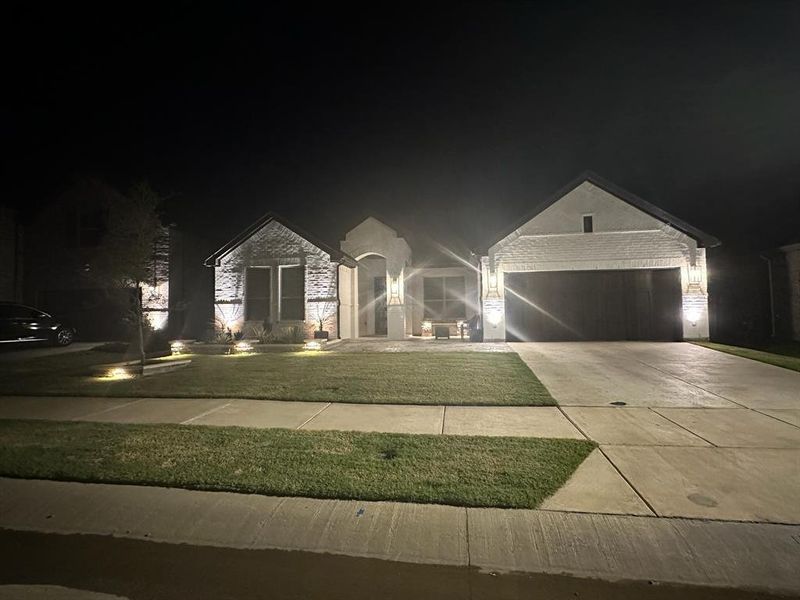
274	246
793	271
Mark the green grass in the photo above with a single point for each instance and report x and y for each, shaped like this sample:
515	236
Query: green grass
781	355
457	470
381	377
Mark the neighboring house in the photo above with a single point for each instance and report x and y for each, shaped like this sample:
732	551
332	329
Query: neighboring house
792	253
11	255
61	246
592	262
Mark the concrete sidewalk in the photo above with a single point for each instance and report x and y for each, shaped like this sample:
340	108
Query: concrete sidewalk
737	555
715	463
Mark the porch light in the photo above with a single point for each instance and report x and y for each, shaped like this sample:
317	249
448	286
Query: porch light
394	290
695	275
494	316
492	292
692	315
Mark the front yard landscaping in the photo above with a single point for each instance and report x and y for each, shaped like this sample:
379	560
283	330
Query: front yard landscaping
781	355
463	378
456	470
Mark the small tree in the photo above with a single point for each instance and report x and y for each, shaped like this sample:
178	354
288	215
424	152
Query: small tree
325	306
125	260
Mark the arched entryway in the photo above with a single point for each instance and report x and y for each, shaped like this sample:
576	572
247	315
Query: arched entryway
377	248
372	296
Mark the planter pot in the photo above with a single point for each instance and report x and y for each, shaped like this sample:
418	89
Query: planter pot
320	335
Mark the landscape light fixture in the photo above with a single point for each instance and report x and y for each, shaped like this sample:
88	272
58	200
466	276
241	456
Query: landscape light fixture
118	373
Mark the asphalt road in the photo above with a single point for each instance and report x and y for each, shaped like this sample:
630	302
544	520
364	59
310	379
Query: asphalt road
147	570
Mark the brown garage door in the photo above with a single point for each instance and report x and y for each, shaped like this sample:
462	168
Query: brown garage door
641	304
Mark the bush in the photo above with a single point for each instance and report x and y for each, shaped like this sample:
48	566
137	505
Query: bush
155	341
263	334
294	335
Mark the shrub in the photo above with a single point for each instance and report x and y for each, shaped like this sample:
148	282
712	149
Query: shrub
262	333
294	335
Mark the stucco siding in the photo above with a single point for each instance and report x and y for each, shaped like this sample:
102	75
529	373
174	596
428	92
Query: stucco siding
622	237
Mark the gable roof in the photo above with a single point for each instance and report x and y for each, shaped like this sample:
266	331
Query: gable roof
703	239
336	255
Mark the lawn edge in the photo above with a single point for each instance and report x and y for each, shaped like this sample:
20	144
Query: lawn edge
727	349
584	446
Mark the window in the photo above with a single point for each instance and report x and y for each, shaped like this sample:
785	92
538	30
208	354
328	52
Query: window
444	298
588	225
18	311
257	297
91	227
293	306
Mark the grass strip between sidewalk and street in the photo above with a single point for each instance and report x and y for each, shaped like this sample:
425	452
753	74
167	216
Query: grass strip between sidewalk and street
783	355
441	469
452	378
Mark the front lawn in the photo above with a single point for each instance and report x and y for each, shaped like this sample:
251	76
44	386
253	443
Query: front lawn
456	470
380	377
784	355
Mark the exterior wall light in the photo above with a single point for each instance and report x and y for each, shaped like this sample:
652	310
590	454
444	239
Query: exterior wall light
695	275
692	315
494	316
394	290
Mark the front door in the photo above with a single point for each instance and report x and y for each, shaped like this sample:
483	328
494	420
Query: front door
380	305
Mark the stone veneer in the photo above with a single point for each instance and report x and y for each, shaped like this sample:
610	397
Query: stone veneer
275	245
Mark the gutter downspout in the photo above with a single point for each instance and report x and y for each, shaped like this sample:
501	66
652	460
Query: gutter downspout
338	305
771	294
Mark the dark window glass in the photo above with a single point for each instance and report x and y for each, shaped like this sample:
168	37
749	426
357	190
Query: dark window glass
433	288
91	227
444	298
257	285
17	311
588	225
293	306
454	288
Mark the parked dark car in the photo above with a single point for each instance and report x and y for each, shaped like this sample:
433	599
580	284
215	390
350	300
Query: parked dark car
25	324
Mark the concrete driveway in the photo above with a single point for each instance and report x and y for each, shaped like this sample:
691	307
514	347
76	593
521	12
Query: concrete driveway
683	430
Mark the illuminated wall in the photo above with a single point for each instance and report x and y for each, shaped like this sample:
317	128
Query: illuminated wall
623	237
275	245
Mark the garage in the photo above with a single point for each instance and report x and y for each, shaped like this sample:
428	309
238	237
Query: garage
637	304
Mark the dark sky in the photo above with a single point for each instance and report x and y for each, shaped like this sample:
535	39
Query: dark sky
457	119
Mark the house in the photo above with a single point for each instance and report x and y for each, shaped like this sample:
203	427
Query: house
591	262
792	261
61	246
11	255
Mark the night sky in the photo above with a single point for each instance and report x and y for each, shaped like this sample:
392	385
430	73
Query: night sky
457	120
